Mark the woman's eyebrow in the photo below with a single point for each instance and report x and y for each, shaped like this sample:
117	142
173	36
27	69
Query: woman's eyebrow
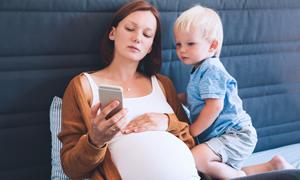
131	22
135	24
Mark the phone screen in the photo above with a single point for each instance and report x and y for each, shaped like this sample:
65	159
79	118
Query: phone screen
107	94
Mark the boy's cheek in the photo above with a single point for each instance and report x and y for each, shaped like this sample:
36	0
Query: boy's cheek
178	55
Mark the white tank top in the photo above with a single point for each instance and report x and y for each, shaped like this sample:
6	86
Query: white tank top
149	155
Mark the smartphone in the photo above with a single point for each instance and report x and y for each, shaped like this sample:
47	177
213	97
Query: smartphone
109	93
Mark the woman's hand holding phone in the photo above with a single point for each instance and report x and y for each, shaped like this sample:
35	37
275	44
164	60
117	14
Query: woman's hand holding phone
103	129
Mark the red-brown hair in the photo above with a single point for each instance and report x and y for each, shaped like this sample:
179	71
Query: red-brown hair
151	63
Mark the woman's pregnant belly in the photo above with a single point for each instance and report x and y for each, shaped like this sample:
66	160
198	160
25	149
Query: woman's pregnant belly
153	155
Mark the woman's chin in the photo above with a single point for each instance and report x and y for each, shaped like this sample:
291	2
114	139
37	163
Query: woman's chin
134	56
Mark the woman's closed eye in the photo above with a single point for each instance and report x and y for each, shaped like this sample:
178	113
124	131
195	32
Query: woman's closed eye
148	35
130	29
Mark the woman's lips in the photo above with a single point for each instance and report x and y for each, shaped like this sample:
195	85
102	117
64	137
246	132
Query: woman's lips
134	48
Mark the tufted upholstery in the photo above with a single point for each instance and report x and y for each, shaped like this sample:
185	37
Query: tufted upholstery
44	43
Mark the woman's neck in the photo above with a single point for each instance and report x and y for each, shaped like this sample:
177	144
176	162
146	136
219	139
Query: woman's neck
122	71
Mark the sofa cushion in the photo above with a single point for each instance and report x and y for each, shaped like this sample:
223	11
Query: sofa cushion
55	127
45	43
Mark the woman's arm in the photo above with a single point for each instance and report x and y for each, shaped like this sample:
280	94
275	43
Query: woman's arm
178	122
78	156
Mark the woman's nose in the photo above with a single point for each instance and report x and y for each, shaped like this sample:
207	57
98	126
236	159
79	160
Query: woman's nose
137	37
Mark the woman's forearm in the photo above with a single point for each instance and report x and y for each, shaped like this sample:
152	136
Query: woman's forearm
80	161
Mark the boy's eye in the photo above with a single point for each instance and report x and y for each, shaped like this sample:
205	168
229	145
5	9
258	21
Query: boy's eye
190	43
178	44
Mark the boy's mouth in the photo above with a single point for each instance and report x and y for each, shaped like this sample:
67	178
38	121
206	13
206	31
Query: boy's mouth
184	58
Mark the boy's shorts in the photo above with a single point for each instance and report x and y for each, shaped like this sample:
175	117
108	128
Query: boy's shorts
234	146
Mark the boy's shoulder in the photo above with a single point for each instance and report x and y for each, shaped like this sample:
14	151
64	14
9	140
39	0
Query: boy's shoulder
213	67
212	64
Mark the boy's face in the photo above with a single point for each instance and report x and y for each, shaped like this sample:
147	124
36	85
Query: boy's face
191	48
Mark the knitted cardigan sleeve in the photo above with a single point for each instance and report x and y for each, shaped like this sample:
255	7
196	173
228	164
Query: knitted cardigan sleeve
79	158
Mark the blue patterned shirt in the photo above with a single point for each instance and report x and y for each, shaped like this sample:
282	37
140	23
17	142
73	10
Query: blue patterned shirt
211	80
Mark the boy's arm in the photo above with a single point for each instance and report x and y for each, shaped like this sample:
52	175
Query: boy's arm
182	98
207	116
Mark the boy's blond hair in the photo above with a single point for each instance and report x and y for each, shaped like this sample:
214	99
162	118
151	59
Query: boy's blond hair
204	19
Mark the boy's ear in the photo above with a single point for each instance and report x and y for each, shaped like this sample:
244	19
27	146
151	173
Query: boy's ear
214	45
111	34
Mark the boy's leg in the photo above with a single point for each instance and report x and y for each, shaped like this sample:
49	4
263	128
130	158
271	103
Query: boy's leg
223	155
210	163
276	163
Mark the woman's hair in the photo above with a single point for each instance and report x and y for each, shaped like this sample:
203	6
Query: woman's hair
151	63
206	20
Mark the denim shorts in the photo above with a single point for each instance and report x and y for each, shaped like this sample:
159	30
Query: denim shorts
235	145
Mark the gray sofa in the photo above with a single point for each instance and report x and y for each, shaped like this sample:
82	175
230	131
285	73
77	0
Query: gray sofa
44	43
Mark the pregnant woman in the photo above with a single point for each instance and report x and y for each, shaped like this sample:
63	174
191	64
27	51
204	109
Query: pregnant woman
145	140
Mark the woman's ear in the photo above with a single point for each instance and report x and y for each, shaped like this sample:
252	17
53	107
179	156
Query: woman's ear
214	45
111	34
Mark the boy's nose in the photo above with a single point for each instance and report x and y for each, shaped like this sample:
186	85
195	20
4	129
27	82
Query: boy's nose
182	49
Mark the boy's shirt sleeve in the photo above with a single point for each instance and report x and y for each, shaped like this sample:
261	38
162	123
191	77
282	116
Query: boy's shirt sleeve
213	83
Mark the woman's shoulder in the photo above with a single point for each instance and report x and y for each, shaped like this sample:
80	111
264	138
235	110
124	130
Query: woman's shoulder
163	79
81	83
75	81
165	83
78	80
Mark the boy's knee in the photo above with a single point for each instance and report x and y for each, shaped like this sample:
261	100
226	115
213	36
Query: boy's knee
204	156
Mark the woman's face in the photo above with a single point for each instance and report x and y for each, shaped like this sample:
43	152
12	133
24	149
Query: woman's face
134	35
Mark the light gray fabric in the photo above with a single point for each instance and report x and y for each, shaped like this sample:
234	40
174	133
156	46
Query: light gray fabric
290	153
234	146
55	126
